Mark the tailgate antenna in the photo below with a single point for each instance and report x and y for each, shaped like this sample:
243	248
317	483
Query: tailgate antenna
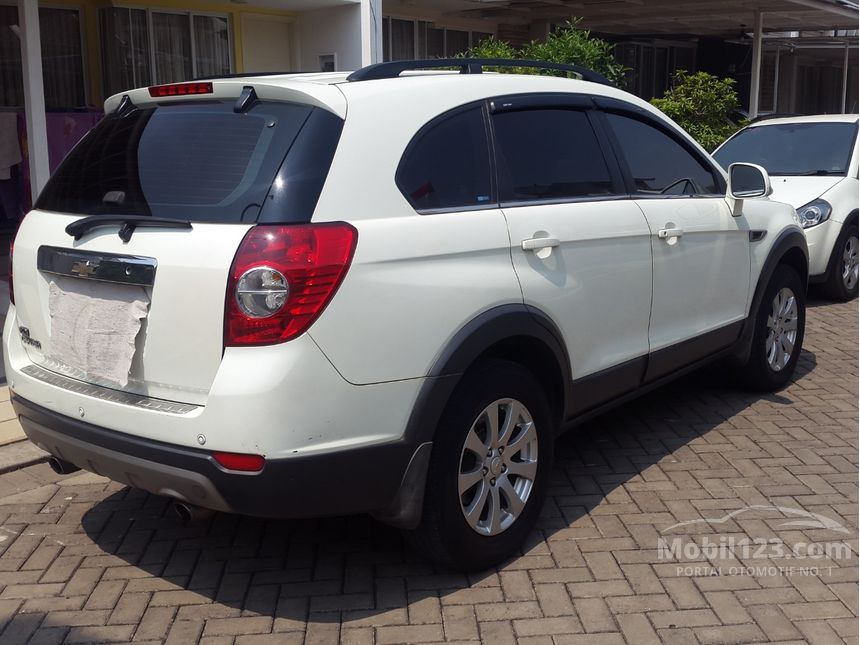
247	99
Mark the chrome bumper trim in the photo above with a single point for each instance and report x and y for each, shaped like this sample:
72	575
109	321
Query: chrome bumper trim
106	394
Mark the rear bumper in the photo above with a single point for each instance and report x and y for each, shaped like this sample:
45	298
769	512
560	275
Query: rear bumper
355	480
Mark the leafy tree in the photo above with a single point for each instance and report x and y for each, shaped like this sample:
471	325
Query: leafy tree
702	104
566	44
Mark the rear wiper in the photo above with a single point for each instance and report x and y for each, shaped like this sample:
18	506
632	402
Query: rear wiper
127	224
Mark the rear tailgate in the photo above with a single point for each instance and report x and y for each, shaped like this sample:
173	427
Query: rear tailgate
179	344
145	314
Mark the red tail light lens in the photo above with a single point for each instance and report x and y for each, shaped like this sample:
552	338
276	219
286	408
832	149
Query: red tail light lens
238	461
282	278
180	89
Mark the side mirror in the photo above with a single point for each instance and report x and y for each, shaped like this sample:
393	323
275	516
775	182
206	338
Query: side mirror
748	180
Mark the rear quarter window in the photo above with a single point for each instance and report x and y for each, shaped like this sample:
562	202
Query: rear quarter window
198	161
447	164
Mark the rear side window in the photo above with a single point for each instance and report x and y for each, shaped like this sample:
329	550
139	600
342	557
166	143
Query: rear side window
548	154
197	161
659	164
447	166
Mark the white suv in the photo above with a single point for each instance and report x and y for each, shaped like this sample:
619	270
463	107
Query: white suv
813	163
305	295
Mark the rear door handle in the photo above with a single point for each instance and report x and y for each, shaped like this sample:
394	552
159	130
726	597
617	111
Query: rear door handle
538	243
666	233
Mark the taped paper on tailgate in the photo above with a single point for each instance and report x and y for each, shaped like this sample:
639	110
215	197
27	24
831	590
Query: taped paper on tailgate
94	326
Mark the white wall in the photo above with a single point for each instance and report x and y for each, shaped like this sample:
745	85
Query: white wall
329	31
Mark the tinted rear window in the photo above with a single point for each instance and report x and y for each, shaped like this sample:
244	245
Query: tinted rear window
199	161
793	148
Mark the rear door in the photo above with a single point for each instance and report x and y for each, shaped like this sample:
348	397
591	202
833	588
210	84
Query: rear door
143	312
701	252
580	247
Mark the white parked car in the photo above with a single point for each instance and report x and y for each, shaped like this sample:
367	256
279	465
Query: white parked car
304	295
813	165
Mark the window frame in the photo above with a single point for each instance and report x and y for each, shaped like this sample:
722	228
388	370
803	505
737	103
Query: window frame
416	54
532	101
622	108
85	80
493	202
150	31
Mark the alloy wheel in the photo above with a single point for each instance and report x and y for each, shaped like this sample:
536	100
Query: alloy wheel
782	329
498	466
850	263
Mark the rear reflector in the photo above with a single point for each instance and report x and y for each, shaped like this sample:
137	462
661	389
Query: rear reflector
180	89
300	268
238	461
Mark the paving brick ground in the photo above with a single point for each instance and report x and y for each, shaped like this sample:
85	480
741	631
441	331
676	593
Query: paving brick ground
86	560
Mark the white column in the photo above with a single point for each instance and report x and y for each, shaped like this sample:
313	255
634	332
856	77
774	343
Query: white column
842	107
755	77
34	95
371	32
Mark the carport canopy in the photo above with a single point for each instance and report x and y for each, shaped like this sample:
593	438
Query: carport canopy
836	21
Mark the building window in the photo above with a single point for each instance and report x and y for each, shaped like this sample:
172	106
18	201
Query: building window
62	58
419	39
145	47
651	66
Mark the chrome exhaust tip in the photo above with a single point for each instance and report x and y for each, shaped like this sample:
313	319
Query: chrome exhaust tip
61	466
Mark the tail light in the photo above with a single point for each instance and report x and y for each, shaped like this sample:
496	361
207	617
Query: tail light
282	278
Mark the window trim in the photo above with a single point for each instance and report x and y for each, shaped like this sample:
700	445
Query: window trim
533	101
614	106
493	202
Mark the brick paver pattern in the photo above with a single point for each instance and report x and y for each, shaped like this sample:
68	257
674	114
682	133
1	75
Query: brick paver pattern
84	559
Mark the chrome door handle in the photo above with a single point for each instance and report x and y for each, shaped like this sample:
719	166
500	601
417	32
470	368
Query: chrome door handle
538	243
666	233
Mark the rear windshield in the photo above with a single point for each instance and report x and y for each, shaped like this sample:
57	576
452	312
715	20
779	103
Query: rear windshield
793	148
198	161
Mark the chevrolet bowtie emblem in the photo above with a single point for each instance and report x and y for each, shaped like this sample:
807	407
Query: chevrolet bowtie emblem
84	269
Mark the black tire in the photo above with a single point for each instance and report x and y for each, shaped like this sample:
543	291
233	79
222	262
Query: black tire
444	534
758	373
837	286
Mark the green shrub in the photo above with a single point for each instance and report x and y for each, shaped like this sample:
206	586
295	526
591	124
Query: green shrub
566	44
702	104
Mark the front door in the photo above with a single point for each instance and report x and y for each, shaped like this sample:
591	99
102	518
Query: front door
700	252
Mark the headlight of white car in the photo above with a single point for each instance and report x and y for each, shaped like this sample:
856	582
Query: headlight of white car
814	213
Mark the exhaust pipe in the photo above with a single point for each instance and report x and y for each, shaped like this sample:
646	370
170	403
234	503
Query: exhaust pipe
61	466
189	512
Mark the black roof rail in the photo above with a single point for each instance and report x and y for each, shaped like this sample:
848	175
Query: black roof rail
393	69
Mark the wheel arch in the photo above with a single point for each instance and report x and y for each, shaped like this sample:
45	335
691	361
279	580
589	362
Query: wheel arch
789	249
516	332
